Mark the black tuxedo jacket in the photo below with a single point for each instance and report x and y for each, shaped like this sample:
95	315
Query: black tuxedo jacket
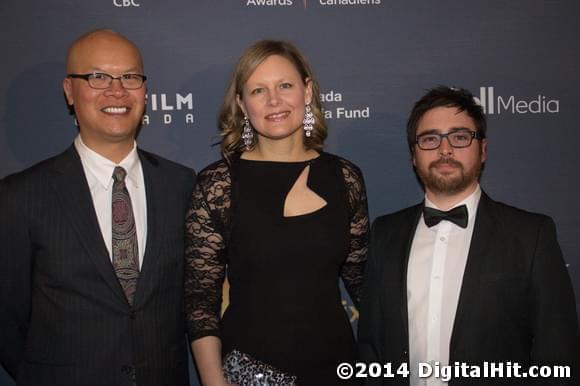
64	319
516	301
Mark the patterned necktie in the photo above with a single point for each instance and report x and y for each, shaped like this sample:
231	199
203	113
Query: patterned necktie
125	250
457	215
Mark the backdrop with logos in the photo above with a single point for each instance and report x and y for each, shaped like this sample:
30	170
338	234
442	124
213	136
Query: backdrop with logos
373	59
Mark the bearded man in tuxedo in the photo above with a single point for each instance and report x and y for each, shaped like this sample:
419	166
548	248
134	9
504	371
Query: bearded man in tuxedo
461	278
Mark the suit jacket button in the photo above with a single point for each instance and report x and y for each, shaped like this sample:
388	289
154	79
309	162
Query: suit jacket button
132	315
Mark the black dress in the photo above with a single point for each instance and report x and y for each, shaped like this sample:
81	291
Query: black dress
285	306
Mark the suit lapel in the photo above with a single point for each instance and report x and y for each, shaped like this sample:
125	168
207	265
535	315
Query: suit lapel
154	190
73	192
483	232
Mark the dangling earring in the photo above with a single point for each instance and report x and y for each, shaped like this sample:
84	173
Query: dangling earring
308	121
247	134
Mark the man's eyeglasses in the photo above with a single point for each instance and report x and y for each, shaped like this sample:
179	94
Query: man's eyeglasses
100	80
458	139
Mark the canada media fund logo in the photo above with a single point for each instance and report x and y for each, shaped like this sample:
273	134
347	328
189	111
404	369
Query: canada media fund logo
492	103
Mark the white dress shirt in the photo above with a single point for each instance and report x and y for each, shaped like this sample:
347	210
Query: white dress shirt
434	276
99	174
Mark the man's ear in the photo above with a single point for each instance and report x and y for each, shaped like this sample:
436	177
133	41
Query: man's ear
483	150
67	87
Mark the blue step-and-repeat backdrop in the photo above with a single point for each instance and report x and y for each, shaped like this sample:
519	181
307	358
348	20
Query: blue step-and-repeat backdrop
373	59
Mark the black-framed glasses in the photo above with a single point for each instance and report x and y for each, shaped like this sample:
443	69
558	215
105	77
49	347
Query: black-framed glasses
458	138
101	80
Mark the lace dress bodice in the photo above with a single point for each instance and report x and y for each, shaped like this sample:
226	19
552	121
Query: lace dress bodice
278	273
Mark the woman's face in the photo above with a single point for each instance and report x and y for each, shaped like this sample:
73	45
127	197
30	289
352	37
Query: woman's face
274	98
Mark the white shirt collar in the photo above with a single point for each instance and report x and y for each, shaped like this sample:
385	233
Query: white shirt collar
102	168
471	202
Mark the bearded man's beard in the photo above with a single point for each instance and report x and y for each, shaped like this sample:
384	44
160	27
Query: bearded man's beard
448	183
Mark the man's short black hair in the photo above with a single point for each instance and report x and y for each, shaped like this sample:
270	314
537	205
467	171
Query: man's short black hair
444	96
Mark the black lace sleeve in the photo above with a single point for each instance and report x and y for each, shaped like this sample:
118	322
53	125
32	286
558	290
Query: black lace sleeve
205	235
353	268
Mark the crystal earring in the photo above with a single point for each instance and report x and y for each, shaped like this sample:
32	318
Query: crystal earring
247	134
308	121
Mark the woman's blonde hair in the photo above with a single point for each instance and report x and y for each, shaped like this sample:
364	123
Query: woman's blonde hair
231	116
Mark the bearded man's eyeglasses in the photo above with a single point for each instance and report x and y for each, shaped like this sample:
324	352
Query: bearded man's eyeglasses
458	138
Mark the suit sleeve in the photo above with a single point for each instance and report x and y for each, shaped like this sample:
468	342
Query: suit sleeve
15	278
556	340
371	322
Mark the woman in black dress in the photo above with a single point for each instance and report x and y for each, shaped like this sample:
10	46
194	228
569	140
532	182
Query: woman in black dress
284	219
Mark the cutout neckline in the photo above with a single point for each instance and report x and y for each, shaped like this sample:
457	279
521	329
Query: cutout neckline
301	192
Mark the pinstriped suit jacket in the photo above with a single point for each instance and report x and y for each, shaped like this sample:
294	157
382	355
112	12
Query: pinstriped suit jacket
64	319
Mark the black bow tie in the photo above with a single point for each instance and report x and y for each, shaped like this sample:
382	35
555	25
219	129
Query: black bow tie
456	215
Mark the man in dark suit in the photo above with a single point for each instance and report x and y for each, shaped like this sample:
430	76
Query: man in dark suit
92	256
460	278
